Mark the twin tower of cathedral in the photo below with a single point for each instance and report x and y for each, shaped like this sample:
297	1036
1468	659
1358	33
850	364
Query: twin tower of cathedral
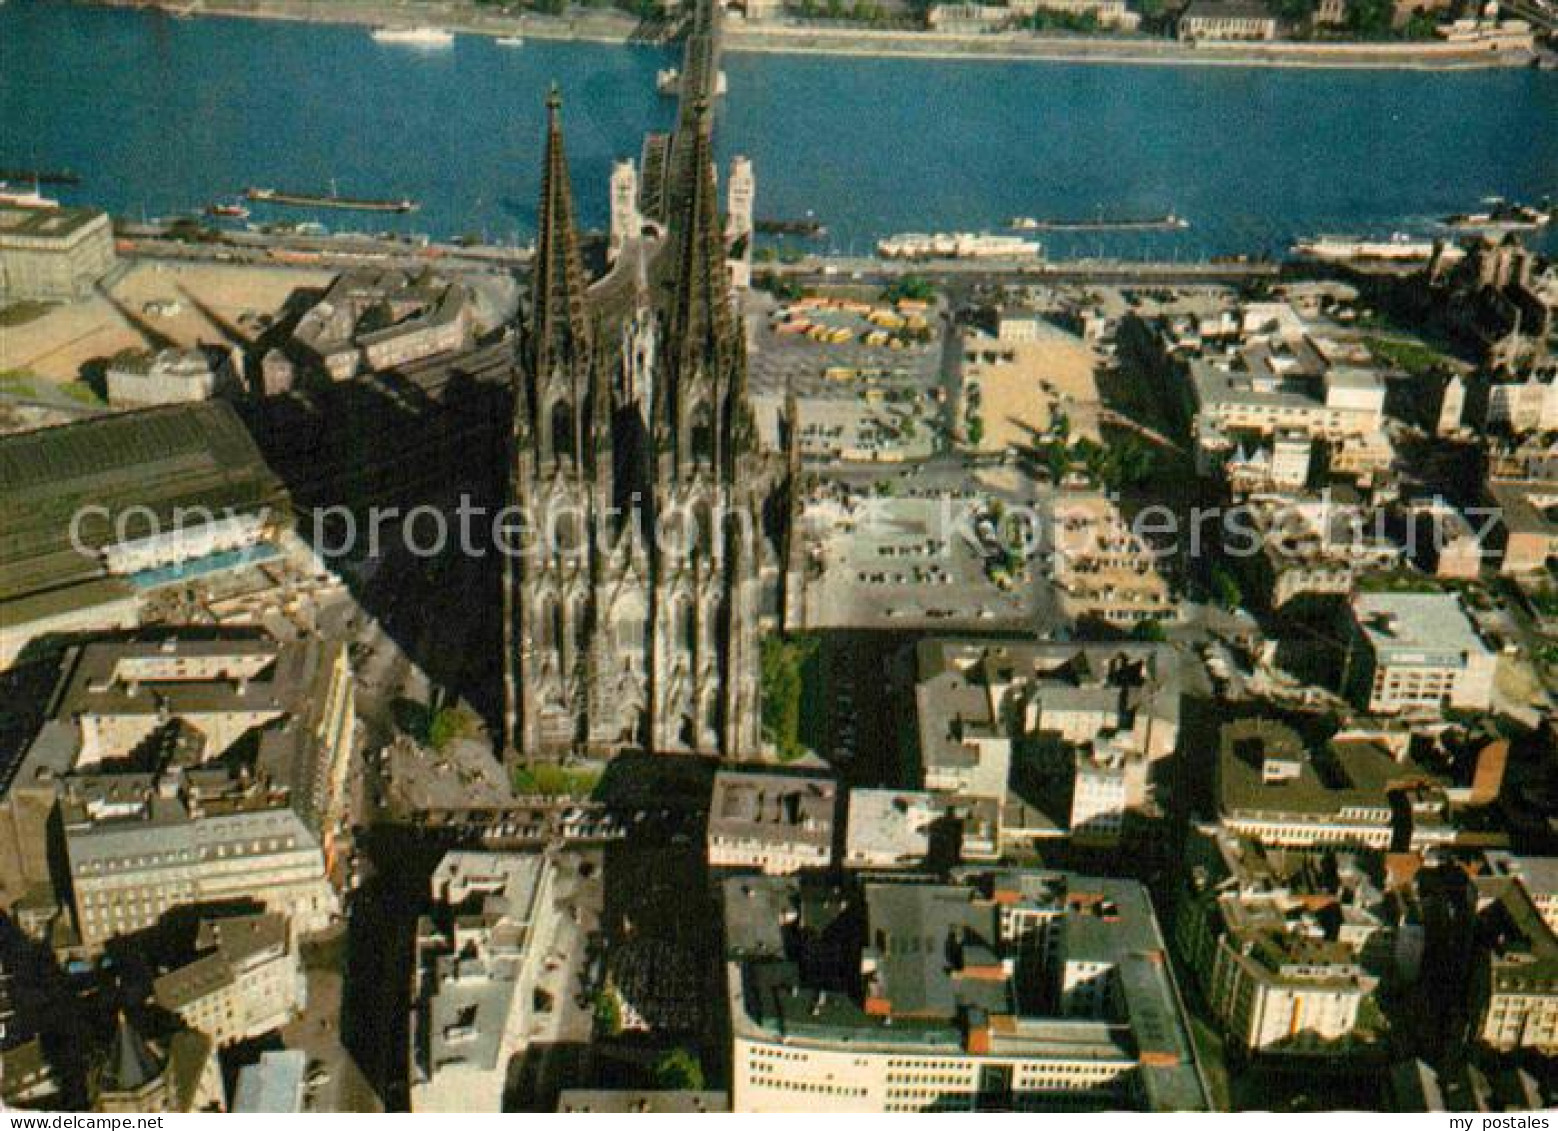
654	525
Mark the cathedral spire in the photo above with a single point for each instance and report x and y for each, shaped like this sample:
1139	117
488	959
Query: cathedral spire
559	332
700	312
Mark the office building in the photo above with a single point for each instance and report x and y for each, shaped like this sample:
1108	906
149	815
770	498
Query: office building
1417	653
1016	991
772	822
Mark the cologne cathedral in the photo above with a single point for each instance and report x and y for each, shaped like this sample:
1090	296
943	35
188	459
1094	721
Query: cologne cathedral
655	526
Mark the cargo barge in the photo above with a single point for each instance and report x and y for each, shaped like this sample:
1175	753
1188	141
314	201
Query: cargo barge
319	200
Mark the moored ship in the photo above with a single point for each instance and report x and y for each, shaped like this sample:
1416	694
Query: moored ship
811	229
41	176
1168	222
423	36
1400	247
1501	216
957	245
25	198
319	200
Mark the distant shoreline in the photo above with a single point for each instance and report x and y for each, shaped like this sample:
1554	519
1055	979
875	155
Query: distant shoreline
1425	56
615	27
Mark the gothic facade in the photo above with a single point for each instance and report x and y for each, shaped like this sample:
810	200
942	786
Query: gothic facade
652	522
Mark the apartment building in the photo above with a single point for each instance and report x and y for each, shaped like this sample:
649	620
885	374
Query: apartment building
53	254
1516	982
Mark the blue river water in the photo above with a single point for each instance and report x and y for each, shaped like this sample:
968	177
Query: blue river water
160	116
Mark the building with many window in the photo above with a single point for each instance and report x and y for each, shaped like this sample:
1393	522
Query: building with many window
373	319
1103	570
1015	991
246	979
1227	19
775	823
1268	372
898	828
1516	981
1363	790
1417	653
1090	720
189	771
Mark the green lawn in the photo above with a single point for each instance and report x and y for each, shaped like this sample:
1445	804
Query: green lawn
1398	581
1410	357
555	781
20	313
20	383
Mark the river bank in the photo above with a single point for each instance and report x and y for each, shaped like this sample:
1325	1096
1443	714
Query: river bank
612	26
587	26
1016	47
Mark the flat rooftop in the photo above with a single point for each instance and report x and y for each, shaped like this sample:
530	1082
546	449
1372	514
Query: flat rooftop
784	808
1351	775
177	456
45	223
1416	622
939	960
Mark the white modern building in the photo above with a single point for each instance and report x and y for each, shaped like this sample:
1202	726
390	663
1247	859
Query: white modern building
1416	653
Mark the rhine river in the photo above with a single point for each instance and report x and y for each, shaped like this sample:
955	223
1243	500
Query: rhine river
161	116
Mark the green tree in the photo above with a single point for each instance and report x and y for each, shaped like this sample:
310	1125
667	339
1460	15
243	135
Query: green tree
608	1012
1149	631
1225	589
448	724
783	663
916	288
679	1070
1126	463
1058	462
